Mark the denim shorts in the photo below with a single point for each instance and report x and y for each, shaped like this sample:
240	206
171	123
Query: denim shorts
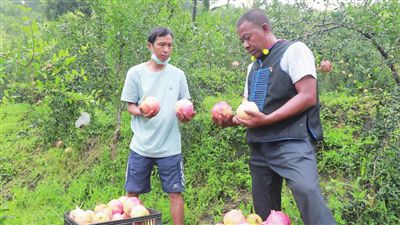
139	168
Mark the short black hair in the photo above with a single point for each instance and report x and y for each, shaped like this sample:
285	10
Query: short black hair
255	16
158	32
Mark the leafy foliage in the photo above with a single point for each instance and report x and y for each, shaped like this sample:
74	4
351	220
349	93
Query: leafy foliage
52	70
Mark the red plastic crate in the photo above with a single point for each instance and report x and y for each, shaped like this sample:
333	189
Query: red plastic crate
153	219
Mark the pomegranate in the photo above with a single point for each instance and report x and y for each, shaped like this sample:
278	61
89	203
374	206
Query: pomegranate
254	219
325	66
74	213
68	150
117	216
277	218
123	199
234	217
130	203
185	106
81	216
126	216
101	216
115	206
139	210
221	108
150	103
59	144
87	217
249	106
103	208
235	64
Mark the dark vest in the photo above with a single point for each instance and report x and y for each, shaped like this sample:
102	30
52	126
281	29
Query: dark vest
270	87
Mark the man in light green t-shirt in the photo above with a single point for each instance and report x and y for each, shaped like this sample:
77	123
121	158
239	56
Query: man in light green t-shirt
156	140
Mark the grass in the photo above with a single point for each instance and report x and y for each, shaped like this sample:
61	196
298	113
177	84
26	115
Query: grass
44	182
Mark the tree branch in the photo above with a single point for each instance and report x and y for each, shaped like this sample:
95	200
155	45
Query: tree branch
117	131
370	36
194	11
381	50
325	29
17	62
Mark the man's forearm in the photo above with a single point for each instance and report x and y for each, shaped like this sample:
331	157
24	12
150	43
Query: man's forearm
133	109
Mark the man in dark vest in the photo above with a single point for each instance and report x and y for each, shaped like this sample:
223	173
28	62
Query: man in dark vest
282	82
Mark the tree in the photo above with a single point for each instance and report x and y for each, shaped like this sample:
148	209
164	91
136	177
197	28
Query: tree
54	9
194	11
374	22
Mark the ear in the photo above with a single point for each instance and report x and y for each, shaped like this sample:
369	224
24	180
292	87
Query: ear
266	28
149	46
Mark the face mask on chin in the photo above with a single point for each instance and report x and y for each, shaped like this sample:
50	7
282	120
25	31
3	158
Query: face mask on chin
158	61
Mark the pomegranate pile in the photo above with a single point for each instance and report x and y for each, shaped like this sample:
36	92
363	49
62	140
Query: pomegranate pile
236	217
116	209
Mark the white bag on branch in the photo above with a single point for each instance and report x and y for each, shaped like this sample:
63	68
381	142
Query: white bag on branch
83	120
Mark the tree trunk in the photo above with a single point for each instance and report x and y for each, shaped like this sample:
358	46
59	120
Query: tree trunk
119	108
194	10
117	131
206	4
368	36
383	53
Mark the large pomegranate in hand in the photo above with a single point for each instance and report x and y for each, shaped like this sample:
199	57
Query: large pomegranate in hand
326	66
150	103
249	106
221	108
185	106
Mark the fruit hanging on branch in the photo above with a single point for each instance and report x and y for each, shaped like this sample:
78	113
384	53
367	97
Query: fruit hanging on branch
325	66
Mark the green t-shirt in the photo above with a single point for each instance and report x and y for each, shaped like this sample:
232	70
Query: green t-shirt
158	136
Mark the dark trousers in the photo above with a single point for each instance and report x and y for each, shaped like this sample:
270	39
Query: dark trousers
293	160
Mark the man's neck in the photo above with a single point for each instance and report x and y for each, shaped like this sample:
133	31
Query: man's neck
153	66
271	42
